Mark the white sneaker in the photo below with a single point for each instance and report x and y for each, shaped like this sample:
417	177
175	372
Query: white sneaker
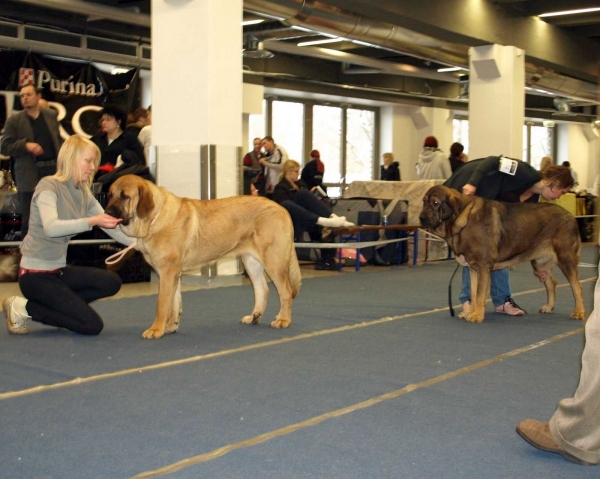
16	323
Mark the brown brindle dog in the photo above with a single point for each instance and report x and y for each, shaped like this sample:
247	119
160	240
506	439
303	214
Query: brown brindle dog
176	235
487	235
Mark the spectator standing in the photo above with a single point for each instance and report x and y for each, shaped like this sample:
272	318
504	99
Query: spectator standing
275	157
574	429
545	162
253	173
390	169
457	157
433	164
573	172
313	171
62	206
32	139
145	139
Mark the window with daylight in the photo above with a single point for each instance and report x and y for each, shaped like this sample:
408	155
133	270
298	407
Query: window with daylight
541	141
257	126
360	139
327	138
288	128
460	133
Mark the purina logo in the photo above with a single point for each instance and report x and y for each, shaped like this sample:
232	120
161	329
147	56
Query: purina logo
26	76
43	79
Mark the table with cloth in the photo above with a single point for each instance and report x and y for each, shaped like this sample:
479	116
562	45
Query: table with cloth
410	191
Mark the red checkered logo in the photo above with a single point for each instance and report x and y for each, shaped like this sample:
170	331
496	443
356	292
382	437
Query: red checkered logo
26	76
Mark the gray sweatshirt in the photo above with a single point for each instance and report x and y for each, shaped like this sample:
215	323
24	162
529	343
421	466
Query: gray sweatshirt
59	211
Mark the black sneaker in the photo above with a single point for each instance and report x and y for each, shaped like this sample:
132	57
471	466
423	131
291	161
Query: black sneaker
323	264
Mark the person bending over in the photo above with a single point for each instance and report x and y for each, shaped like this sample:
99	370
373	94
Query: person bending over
306	210
63	206
483	177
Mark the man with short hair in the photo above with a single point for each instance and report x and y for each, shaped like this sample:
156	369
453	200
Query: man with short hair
276	156
32	139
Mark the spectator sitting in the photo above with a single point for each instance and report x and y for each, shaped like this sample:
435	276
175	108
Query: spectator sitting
433	164
305	209
390	170
457	157
136	121
313	171
114	144
253	170
145	139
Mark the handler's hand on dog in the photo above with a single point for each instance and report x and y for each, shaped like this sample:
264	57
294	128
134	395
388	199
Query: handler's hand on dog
469	189
104	221
542	275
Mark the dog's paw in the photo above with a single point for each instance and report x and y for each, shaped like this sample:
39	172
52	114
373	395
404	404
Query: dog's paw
281	323
172	328
474	317
546	309
153	333
463	315
578	315
253	318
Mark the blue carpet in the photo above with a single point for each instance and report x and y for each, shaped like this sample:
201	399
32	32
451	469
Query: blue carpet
459	428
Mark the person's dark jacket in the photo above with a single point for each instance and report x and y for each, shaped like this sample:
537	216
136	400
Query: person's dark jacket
284	191
311	175
455	163
391	173
126	145
492	184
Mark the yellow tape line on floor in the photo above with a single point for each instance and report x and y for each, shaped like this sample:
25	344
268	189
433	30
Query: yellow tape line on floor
253	441
250	347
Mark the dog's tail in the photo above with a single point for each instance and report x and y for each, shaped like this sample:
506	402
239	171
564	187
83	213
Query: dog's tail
9	266
294	273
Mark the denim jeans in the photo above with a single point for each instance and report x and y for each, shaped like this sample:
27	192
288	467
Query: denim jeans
499	288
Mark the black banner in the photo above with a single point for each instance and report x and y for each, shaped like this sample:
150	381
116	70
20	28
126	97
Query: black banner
77	90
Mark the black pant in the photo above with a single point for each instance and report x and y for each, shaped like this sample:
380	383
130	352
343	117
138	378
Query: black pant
62	299
305	210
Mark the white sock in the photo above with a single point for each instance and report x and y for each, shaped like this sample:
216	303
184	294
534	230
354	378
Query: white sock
20	306
334	222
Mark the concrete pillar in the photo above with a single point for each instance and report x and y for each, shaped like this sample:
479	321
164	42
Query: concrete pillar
496	101
197	99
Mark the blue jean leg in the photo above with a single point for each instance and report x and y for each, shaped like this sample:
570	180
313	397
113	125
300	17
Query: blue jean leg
499	289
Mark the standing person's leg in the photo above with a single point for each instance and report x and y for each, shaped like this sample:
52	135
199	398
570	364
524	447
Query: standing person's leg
465	292
576	423
62	301
501	295
574	429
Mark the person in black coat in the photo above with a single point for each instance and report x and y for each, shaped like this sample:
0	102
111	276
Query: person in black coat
457	158
313	171
390	170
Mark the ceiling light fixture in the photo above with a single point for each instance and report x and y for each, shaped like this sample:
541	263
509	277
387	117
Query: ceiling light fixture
318	42
569	12
449	69
252	22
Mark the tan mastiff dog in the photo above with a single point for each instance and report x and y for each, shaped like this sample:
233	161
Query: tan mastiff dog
176	235
488	235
